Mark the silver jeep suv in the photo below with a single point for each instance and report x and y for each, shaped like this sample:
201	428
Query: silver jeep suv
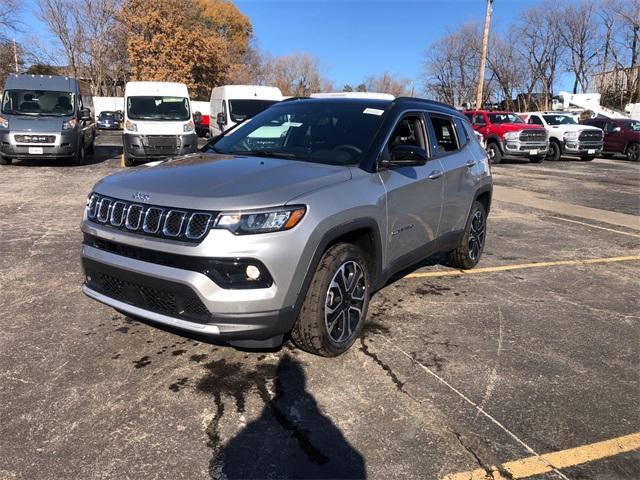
290	222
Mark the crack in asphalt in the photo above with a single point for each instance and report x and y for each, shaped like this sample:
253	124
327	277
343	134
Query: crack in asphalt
394	378
489	469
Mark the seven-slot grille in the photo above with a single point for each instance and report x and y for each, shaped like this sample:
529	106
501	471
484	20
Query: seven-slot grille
533	136
35	138
177	224
591	135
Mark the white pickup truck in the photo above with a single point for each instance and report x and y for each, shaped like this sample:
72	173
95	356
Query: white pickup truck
566	135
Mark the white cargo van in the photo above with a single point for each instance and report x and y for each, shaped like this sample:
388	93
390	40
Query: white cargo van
232	104
157	121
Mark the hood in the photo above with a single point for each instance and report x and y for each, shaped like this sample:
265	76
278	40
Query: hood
23	123
219	182
571	128
516	127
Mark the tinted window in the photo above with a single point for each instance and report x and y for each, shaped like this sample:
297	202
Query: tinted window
313	131
504	118
408	131
240	110
445	133
463	138
38	102
478	119
535	120
158	108
560	120
469	116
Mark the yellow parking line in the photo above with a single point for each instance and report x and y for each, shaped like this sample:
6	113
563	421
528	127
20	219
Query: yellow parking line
537	465
520	266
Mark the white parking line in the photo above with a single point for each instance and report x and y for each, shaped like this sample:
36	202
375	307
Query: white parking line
596	226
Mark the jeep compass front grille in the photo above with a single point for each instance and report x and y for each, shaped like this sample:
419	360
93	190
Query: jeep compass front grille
172	223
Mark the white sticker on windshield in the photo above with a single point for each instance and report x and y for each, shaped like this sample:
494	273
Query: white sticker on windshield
373	111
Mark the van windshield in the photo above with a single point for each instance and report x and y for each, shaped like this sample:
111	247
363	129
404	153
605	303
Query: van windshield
240	110
158	108
38	102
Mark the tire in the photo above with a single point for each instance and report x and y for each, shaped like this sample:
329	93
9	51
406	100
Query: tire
79	157
555	151
633	152
537	159
315	330
91	149
495	155
5	160
129	162
466	255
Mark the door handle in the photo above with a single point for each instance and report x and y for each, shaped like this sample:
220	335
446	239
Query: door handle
435	174
472	163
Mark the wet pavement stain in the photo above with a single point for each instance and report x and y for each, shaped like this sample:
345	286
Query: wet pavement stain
115	357
431	289
178	384
175	353
198	357
142	362
432	360
122	330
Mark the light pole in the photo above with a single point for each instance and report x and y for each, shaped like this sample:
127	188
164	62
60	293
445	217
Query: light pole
483	57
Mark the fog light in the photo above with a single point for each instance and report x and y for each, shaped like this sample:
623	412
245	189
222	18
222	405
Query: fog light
253	272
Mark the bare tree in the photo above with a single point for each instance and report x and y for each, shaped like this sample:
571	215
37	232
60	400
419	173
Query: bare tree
581	40
508	67
62	17
8	15
451	66
388	83
297	74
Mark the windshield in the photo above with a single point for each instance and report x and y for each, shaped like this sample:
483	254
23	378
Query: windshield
107	115
158	108
330	133
240	110
504	118
38	102
559	120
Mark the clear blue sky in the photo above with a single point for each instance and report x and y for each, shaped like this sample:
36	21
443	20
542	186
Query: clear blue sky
356	38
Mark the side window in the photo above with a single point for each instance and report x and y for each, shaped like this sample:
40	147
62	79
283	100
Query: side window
445	134
408	131
463	138
469	116
478	119
608	127
535	120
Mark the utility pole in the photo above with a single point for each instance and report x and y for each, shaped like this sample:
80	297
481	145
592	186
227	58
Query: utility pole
483	58
15	54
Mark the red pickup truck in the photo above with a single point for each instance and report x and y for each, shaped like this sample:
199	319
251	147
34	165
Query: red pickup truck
506	134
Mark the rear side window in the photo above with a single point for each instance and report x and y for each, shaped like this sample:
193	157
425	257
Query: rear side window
478	119
535	120
445	134
463	138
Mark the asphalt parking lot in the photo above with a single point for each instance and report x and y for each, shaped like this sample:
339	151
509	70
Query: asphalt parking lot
528	367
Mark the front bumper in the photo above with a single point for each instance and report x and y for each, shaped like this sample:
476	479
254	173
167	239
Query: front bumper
146	147
582	148
64	145
525	149
108	126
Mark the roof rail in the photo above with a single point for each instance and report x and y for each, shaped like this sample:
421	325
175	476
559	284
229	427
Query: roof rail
425	100
288	99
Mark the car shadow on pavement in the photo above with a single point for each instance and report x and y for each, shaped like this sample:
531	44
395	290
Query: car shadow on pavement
290	439
102	154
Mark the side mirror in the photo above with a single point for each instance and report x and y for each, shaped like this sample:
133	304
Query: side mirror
616	130
197	117
220	119
85	114
406	156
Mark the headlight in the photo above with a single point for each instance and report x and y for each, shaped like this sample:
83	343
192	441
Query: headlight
264	221
131	126
4	123
571	135
511	135
188	127
69	124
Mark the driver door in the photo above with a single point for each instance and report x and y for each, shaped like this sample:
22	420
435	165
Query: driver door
414	195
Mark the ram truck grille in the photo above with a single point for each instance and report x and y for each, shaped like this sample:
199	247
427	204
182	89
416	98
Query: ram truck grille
35	138
171	223
533	136
591	136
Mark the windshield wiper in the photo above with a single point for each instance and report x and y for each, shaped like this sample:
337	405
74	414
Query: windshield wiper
266	153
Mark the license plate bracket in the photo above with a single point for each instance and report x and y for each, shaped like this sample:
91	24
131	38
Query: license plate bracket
36	151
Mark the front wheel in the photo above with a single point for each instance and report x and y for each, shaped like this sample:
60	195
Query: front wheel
495	155
554	152
633	152
5	160
468	252
335	308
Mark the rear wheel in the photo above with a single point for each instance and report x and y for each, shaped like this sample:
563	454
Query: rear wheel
335	308
5	160
495	155
554	151
468	253
633	152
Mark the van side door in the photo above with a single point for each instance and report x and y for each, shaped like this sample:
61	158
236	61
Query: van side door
414	195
